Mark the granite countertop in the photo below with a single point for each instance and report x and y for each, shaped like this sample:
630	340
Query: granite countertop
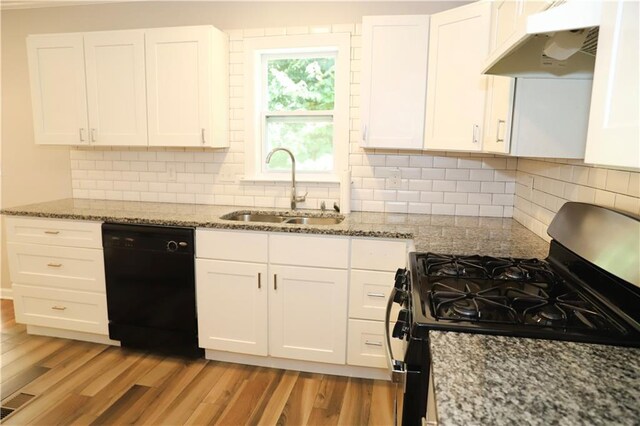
441	234
497	380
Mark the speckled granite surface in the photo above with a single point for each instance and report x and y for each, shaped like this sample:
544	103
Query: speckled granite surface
497	380
442	234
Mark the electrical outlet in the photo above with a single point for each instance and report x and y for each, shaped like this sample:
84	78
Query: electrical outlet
394	180
172	174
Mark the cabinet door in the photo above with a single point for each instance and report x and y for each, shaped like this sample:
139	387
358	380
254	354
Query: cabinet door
232	306
308	313
394	81
179	85
458	46
116	92
58	91
497	123
613	134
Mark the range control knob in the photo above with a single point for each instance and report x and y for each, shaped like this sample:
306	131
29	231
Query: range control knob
172	246
400	329
404	315
401	279
400	297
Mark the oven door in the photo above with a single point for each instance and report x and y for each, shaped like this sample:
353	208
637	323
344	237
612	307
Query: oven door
396	367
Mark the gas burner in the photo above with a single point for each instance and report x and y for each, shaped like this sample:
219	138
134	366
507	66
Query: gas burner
513	273
451	270
549	315
466	308
454	266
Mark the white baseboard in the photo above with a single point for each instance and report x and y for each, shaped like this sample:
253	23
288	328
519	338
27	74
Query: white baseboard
70	334
291	364
6	293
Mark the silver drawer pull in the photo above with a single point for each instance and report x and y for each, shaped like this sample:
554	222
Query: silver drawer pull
370	343
54	265
59	308
370	294
52	232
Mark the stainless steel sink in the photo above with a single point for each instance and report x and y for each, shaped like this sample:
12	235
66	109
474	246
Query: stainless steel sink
331	220
251	217
277	218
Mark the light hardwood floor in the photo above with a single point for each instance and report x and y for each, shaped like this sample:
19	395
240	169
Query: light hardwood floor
85	383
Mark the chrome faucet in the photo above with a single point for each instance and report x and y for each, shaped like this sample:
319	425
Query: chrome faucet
294	198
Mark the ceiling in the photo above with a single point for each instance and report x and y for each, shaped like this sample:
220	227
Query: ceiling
30	4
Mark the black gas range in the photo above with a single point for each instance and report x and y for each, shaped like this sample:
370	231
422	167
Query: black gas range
586	290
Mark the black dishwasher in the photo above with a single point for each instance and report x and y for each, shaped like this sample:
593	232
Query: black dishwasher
150	282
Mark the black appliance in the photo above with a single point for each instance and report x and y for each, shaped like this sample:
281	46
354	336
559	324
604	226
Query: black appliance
586	290
150	283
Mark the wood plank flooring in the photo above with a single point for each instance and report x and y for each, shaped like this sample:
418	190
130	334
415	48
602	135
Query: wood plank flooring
79	383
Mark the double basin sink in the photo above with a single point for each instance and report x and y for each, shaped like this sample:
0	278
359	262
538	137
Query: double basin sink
282	218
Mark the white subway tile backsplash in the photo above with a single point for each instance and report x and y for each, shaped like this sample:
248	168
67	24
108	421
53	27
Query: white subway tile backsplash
481	175
445	209
444	185
559	181
445	162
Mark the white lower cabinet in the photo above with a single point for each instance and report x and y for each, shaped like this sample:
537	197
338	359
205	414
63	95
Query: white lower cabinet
373	262
57	275
297	297
366	344
307	313
232	306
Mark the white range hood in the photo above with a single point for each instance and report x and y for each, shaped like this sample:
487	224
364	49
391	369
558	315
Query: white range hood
559	42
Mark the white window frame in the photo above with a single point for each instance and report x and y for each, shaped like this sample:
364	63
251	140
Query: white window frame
255	50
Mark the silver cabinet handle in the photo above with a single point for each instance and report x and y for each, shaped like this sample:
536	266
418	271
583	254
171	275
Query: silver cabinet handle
364	133
52	232
476	131
259	280
54	265
59	308
371	294
370	343
203	139
275	281
498	138
93	135
80	131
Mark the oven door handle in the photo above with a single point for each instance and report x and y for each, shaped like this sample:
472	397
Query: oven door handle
398	372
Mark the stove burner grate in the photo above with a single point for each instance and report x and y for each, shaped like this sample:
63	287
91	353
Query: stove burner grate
440	265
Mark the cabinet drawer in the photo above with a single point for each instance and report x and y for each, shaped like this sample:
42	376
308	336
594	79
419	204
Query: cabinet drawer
366	344
231	245
323	252
62	267
72	233
378	255
368	295
70	310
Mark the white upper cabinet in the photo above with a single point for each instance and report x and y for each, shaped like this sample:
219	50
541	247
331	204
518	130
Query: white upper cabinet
116	87
158	87
186	86
393	85
613	137
58	93
456	89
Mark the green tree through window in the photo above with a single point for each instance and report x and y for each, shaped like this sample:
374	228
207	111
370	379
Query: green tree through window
300	96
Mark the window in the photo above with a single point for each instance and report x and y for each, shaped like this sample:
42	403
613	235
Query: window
298	95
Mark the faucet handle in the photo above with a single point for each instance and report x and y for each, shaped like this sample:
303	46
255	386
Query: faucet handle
301	198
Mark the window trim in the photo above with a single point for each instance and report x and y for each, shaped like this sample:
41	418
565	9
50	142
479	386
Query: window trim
254	48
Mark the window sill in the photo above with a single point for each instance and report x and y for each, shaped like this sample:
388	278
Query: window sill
299	179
